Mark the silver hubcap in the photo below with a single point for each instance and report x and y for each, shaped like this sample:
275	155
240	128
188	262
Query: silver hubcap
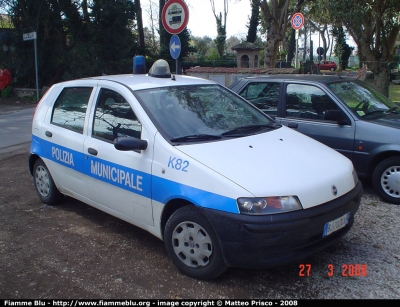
192	244
42	181
390	181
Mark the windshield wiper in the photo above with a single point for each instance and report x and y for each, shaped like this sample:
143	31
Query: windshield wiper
242	130
375	112
392	110
195	137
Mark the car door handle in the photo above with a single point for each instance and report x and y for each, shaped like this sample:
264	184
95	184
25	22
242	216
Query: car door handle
292	125
92	151
49	134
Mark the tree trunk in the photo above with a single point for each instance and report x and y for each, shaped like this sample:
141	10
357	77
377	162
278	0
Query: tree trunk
164	43
276	17
85	11
220	41
378	60
291	46
324	44
140	27
374	31
380	70
272	45
253	23
380	80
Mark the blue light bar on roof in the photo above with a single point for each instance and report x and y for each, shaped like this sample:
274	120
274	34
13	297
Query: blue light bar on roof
139	65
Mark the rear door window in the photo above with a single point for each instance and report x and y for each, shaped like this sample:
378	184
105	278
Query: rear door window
70	108
264	95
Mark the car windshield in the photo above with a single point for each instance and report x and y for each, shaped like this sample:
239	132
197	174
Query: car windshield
363	100
201	113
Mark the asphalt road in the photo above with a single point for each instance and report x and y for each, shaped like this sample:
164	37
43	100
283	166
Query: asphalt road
75	251
15	128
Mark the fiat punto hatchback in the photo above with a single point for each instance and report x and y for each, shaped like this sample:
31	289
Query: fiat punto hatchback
343	113
219	181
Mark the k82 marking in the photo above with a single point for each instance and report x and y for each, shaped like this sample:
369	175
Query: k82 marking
178	164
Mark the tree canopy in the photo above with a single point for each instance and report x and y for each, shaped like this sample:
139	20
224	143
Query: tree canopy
374	26
74	38
83	38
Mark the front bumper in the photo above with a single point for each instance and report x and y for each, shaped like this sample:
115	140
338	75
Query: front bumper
273	240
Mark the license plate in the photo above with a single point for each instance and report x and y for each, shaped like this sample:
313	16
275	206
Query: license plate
336	224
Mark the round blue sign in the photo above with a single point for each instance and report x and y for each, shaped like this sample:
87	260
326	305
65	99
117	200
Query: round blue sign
175	46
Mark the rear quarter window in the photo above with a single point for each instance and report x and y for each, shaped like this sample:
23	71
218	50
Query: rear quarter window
264	95
70	108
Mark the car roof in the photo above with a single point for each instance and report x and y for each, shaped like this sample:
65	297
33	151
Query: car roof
325	79
144	81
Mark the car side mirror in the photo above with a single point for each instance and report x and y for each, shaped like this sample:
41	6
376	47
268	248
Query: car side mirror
125	143
337	116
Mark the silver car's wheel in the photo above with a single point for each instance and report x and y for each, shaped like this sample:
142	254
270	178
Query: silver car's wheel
42	181
44	184
192	244
390	181
386	180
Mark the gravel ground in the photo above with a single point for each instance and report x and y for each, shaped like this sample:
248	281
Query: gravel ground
373	242
75	251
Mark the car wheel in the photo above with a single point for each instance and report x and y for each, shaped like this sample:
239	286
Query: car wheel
332	69
44	184
192	245
386	180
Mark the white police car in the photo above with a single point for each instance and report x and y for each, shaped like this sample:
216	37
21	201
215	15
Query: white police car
194	164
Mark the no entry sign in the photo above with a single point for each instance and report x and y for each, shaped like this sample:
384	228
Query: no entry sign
175	16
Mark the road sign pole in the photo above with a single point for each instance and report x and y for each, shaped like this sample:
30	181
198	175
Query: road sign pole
27	37
319	46
297	49
175	50
297	24
175	17
36	69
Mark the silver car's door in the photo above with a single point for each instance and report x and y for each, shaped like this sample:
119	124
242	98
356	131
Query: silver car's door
312	111
119	181
62	135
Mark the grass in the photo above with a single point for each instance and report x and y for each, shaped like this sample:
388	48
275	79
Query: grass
394	92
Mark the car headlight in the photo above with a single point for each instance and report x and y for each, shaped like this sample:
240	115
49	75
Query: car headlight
268	205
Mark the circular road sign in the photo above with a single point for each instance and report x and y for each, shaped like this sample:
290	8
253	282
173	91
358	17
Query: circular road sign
175	46
320	50
175	16
297	21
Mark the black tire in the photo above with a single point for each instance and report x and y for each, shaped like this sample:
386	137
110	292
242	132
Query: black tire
386	180
44	184
185	230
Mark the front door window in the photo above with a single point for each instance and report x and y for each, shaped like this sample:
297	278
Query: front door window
308	102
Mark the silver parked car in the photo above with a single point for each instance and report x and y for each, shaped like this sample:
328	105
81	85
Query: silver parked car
184	159
343	113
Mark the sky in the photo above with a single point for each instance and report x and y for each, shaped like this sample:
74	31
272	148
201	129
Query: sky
202	21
